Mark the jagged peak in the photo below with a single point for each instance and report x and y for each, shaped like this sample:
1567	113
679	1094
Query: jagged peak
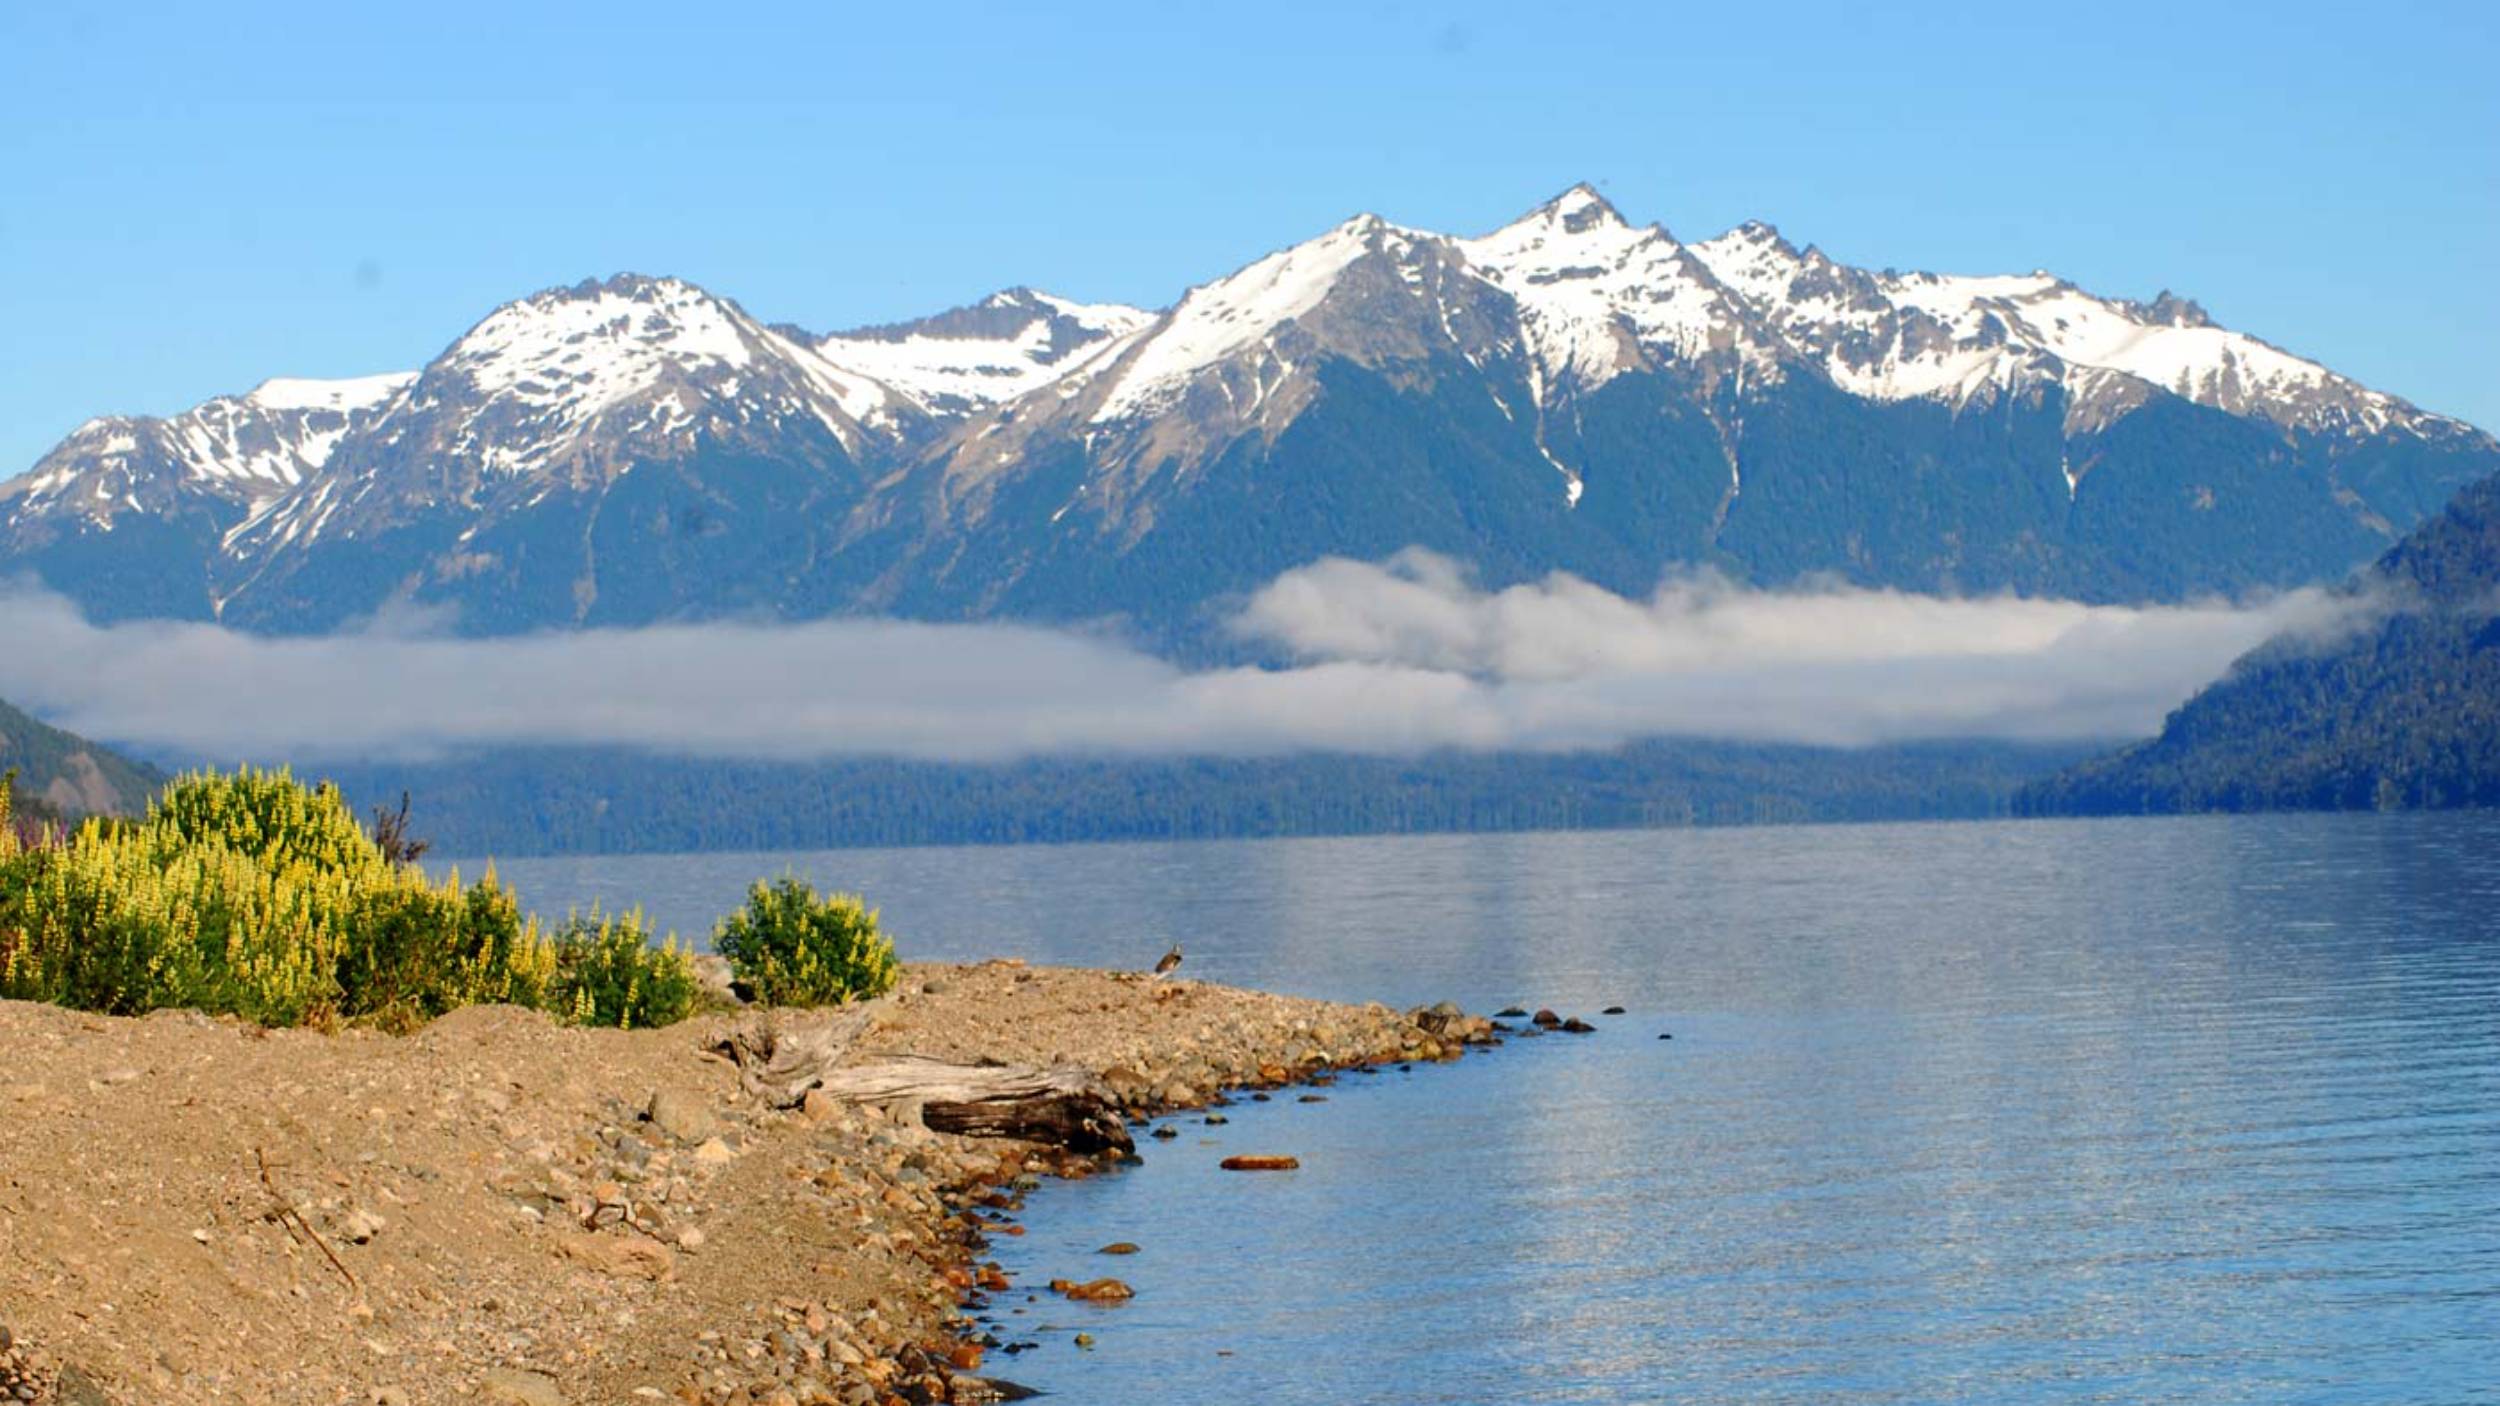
2171	310
625	284
1369	231
563	357
671	310
1579	210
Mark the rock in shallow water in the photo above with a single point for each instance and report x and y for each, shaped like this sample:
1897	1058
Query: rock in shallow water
1260	1163
1095	1290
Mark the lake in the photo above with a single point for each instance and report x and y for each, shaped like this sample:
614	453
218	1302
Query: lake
2187	1110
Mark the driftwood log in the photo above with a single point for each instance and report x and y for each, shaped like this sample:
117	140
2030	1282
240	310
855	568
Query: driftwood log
783	1061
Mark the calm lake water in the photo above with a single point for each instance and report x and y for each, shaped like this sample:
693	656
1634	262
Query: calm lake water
2193	1110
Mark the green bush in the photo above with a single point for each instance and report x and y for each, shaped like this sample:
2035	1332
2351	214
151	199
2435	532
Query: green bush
609	973
797	948
254	896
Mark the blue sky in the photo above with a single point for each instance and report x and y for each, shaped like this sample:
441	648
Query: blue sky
194	198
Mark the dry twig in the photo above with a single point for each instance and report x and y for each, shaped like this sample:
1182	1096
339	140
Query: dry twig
285	1213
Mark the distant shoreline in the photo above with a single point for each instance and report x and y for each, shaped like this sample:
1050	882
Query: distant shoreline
566	801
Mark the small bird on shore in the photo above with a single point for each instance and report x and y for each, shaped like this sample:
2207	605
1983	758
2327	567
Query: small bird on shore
1171	961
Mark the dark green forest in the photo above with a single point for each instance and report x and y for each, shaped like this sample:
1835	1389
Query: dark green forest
2405	714
610	801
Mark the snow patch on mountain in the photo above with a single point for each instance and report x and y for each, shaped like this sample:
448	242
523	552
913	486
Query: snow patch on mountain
243	449
1898	336
1217	321
353	393
1592	290
1008	345
583	349
535	378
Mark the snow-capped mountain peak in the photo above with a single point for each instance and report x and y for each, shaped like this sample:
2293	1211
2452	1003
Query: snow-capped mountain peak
1594	292
1219	320
1899	336
1577	210
592	345
234	449
1010	343
563	369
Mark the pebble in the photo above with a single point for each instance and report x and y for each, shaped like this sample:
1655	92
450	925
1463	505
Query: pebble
681	1115
507	1387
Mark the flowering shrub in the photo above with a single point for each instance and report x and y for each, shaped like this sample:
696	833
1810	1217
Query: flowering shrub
797	948
255	896
609	973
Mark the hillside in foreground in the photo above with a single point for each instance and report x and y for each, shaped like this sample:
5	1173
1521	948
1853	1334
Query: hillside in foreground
2403	715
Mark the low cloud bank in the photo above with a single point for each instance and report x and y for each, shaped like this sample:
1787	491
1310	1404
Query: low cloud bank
1401	656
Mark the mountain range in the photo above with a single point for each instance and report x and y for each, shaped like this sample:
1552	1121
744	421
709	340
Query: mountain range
1570	392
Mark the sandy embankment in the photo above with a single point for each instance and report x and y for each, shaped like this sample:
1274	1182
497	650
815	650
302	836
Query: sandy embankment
510	1224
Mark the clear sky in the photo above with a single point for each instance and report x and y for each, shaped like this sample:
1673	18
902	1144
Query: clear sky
195	197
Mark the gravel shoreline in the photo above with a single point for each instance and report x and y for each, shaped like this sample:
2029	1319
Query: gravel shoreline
501	1209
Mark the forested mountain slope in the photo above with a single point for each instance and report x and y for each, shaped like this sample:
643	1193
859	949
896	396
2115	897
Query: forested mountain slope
2403	713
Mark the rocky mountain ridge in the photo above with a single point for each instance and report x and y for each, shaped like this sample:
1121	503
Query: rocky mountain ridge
1569	392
